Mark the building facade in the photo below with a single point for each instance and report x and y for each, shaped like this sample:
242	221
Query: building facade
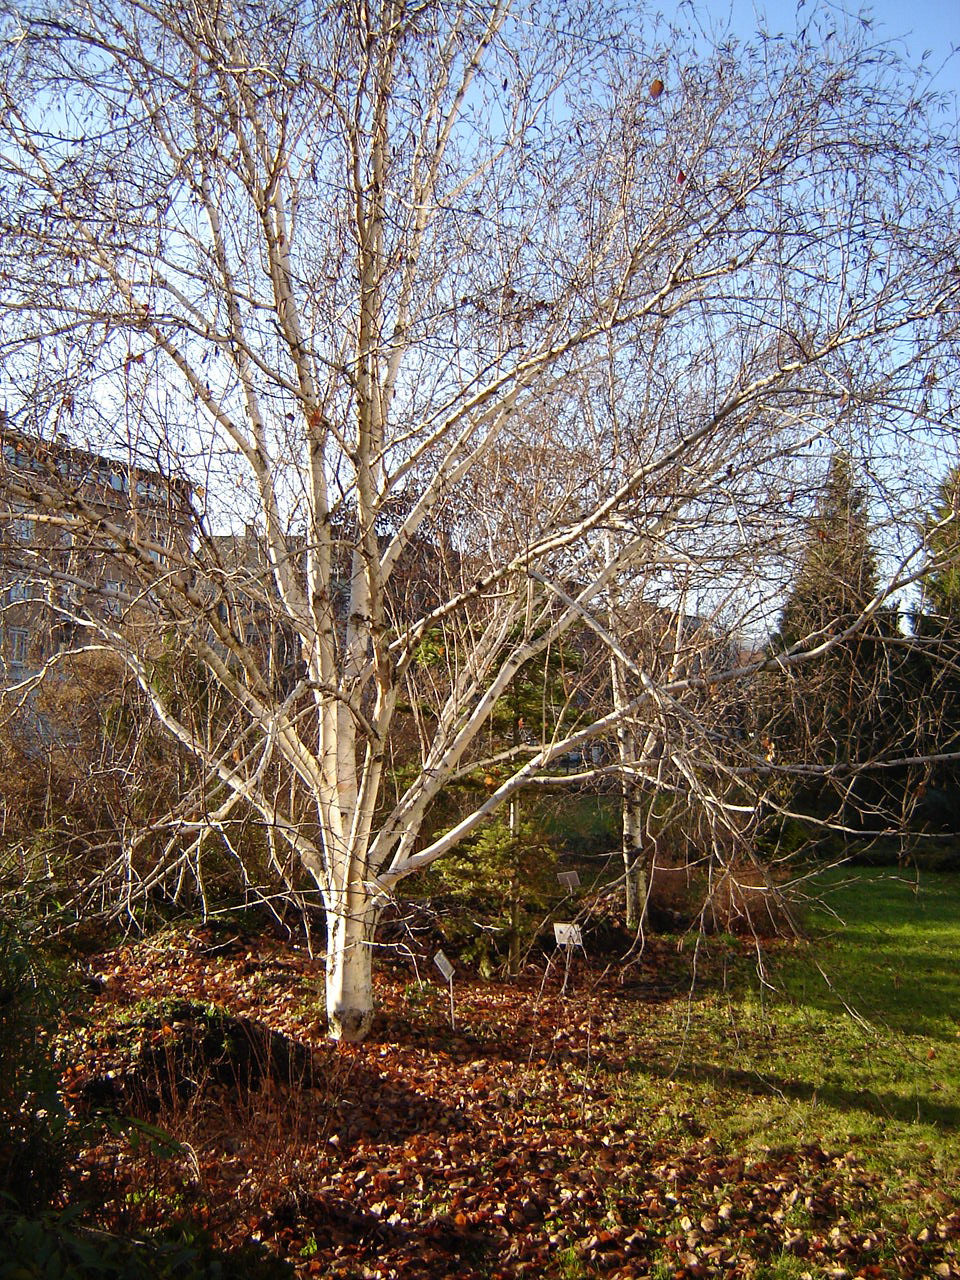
74	528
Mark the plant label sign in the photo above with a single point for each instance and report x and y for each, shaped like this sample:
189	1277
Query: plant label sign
567	935
446	968
569	879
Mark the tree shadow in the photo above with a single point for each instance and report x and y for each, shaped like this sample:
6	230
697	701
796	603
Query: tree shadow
766	1084
183	1061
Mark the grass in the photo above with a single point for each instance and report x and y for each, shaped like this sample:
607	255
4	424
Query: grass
787	1120
849	1040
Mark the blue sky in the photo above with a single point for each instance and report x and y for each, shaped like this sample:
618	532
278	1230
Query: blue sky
914	25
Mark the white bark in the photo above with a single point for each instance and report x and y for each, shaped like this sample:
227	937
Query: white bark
471	331
634	864
349	971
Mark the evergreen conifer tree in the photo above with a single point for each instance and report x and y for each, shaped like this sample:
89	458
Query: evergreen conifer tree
941	584
837	574
937	670
836	711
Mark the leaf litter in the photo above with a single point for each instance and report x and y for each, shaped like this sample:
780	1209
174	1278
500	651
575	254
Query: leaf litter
502	1148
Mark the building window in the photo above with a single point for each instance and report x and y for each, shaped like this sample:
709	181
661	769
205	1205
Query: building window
18	641
21	527
108	477
111	591
17	591
34	460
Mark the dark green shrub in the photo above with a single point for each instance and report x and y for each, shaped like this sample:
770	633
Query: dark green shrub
39	1239
499	889
56	1246
33	1120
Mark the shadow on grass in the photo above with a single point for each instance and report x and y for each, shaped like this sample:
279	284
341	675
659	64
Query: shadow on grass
889	945
897	990
884	1104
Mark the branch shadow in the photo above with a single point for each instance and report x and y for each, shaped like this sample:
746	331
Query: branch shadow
889	1105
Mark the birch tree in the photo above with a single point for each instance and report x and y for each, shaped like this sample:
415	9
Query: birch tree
459	319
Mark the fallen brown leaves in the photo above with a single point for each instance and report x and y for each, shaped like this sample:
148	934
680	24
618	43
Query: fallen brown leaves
500	1149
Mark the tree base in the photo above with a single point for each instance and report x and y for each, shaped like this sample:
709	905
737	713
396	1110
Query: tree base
350	1026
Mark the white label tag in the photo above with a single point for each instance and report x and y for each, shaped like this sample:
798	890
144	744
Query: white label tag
567	935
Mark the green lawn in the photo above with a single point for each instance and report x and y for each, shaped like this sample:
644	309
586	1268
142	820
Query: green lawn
794	1117
850	1039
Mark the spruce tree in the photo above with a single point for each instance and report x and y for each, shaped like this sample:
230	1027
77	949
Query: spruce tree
836	576
940	604
835	711
936	688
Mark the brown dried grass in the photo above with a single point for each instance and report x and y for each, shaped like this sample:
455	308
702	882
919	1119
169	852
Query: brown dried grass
739	897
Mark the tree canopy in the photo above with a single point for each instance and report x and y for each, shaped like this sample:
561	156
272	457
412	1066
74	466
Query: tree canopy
554	302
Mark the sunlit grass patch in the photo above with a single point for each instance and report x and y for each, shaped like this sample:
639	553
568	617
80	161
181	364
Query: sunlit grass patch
848	1040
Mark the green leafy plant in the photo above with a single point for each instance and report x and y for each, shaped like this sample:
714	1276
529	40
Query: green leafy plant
501	886
57	1246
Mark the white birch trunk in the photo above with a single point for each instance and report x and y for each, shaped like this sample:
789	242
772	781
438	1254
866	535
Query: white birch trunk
631	825
634	870
349	970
